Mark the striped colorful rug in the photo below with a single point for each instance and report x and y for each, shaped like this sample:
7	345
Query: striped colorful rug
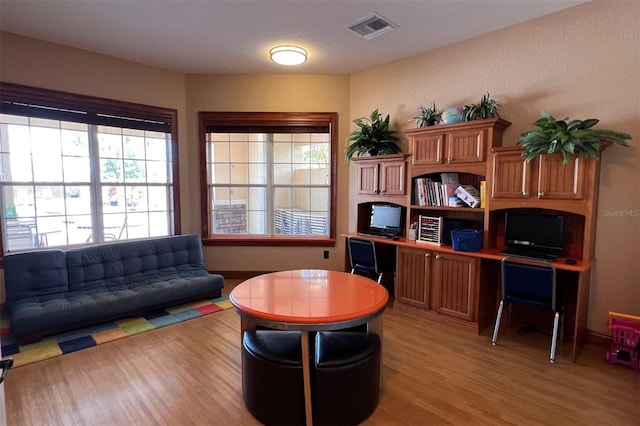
98	334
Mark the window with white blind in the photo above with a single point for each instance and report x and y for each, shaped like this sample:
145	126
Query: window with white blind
269	177
78	170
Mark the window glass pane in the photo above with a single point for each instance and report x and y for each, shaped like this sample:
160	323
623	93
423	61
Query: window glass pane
239	173
258	174
157	147
282	152
76	169
134	171
282	174
111	170
157	171
159	198
46	154
17	160
258	152
220	152
110	142
221	173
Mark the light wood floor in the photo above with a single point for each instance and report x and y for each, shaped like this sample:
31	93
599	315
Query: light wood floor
189	374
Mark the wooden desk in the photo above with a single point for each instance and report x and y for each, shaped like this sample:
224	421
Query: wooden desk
310	300
581	268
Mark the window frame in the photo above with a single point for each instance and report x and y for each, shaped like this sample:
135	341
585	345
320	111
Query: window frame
257	120
14	93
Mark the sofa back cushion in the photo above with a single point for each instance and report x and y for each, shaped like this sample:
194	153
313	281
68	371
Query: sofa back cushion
115	264
36	273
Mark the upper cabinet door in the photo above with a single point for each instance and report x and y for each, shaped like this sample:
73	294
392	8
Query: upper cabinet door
427	150
465	146
511	175
368	177
392	177
560	181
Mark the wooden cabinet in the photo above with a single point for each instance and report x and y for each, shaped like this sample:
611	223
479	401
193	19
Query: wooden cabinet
455	145
454	286
438	285
413	274
459	146
381	176
544	177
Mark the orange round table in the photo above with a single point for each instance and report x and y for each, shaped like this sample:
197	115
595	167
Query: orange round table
310	300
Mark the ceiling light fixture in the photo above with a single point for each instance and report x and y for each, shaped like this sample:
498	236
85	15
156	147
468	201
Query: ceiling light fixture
288	55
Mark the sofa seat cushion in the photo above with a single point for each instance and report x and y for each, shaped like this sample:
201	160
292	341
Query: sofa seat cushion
61	310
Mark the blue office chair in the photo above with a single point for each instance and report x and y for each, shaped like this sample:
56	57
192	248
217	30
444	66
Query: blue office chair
362	253
533	283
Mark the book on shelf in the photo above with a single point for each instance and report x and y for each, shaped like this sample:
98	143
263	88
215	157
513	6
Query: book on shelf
469	194
483	194
430	230
449	193
450	177
420	192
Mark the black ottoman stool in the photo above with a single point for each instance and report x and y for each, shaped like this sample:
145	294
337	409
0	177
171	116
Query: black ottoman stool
272	383
346	377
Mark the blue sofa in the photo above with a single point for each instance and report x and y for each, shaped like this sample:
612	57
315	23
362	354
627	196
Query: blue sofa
49	291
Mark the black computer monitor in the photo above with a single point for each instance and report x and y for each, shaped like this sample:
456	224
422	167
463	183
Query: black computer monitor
534	231
386	218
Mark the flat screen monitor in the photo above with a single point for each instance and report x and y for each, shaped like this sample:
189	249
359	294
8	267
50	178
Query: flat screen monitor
533	231
386	218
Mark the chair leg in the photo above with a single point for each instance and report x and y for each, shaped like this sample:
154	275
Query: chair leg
494	339
554	339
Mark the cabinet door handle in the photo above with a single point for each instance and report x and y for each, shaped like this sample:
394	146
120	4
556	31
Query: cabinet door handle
525	194
449	160
427	255
438	256
540	194
439	160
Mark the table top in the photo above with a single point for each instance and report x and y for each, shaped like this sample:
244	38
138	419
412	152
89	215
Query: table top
310	296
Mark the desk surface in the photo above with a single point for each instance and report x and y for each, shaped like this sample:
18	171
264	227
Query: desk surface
492	253
310	296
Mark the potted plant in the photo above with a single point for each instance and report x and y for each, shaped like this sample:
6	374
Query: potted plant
568	137
428	116
487	108
372	137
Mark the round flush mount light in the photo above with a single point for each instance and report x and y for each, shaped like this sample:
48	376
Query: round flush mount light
288	55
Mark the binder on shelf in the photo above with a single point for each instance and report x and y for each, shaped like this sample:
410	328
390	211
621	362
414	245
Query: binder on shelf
483	194
430	230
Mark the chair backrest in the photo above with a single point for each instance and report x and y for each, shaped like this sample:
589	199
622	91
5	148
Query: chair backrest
362	253
20	237
529	282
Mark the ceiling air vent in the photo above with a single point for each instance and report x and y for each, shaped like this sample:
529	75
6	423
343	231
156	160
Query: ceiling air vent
372	26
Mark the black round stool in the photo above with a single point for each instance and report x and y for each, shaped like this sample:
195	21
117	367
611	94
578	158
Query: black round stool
346	377
272	382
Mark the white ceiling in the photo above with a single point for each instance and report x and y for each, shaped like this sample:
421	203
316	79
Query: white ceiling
234	36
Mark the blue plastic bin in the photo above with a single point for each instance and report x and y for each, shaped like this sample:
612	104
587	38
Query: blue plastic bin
466	239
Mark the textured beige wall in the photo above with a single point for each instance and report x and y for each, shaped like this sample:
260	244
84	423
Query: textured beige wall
583	62
296	93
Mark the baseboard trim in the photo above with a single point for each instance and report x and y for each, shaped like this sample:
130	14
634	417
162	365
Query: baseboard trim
240	275
597	338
